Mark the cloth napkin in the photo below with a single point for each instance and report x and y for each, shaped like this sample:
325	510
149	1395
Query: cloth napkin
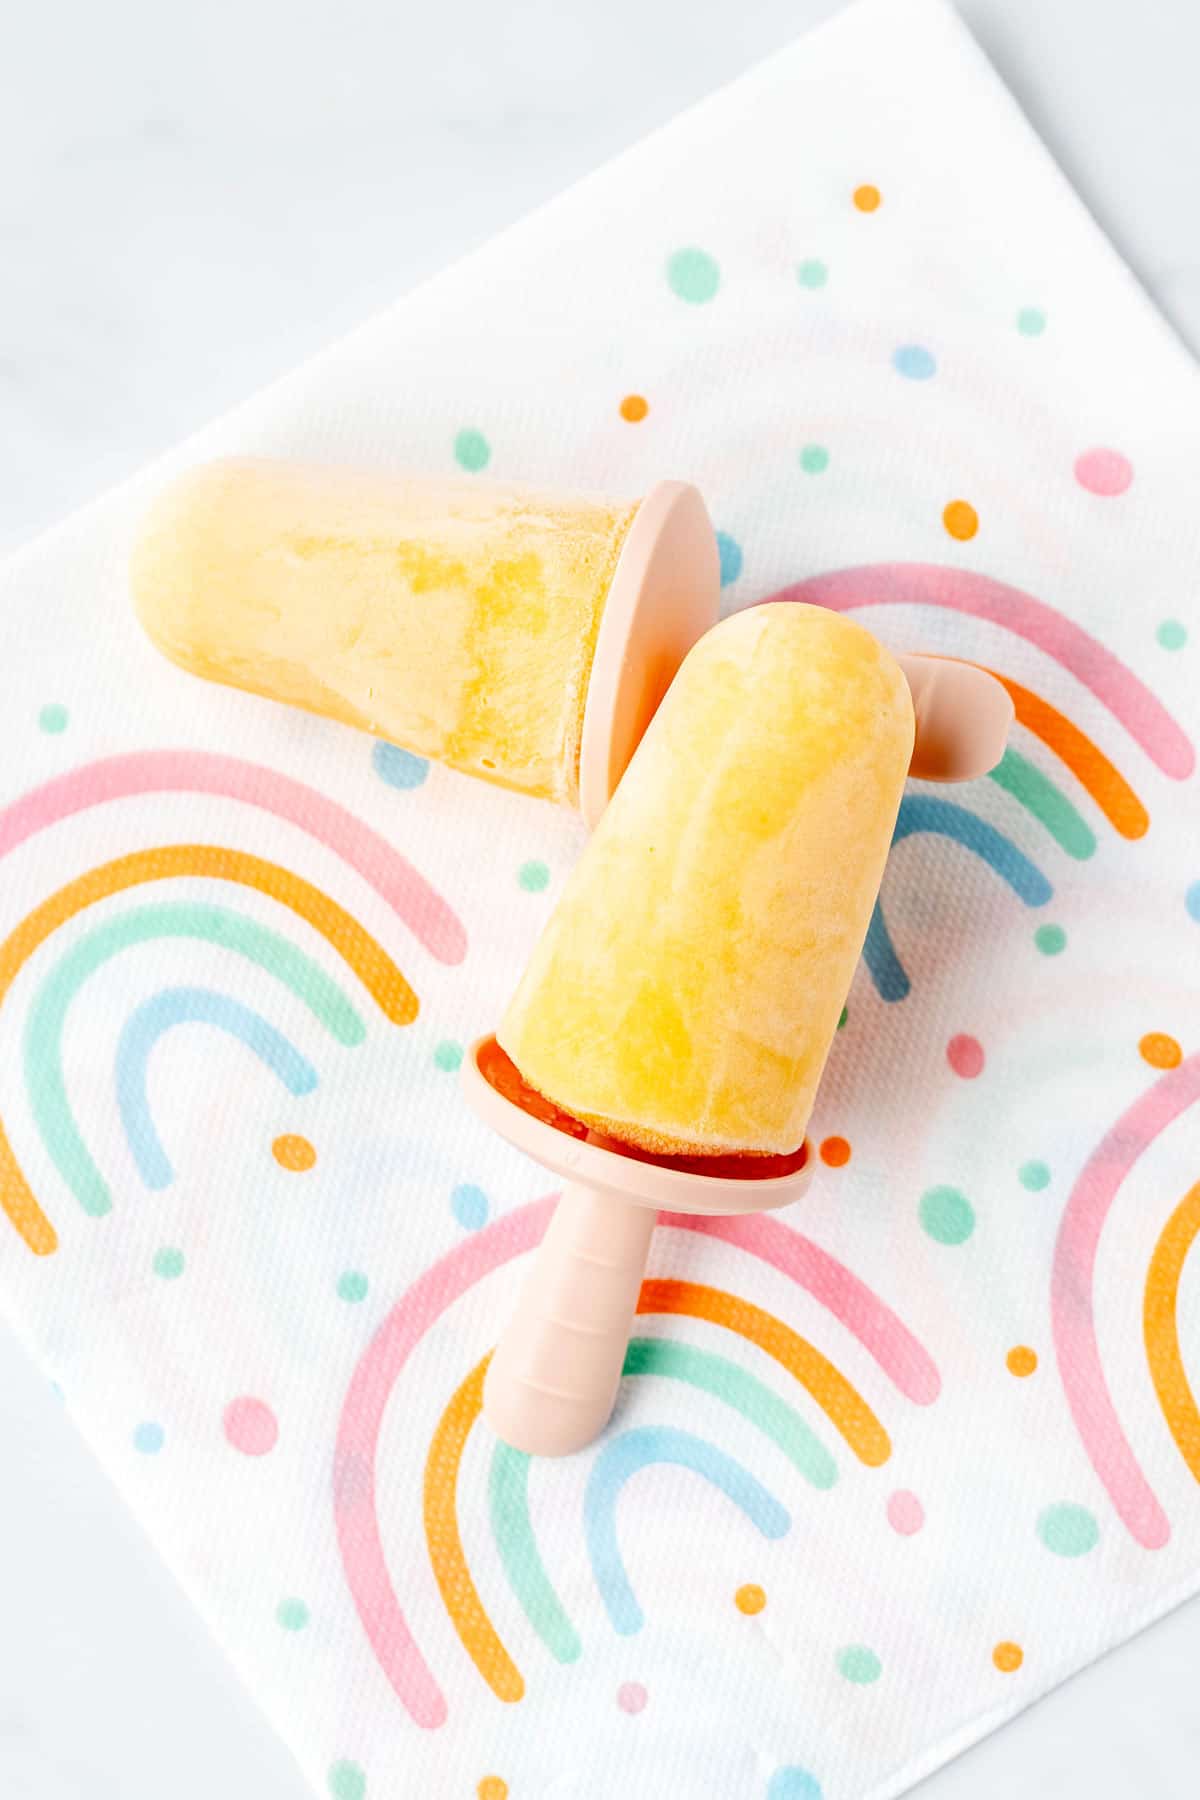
885	1467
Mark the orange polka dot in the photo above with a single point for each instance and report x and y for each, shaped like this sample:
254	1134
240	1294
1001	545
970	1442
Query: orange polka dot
1160	1051
1008	1657
750	1598
1021	1360
835	1151
961	520
492	1788
294	1153
867	198
634	407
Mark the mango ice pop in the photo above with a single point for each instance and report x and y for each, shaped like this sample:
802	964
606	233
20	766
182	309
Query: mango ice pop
456	618
686	991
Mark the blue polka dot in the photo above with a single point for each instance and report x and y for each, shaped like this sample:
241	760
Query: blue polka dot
469	1205
730	552
793	1783
1192	901
914	361
149	1438
399	768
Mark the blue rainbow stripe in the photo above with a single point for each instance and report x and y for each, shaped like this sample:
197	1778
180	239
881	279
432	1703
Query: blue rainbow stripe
919	813
191	1006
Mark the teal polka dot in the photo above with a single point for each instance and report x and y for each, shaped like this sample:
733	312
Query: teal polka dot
1031	321
472	450
399	768
693	275
730	553
814	459
947	1215
1191	901
844	1017
858	1664
1172	635
914	362
793	1783
53	719
534	877
448	1055
149	1438
347	1781
1068	1530
469	1204
169	1263
1050	939
1034	1176
812	273
293	1615
353	1286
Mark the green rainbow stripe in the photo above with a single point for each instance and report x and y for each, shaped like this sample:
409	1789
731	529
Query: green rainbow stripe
44	1077
508	1487
1039	796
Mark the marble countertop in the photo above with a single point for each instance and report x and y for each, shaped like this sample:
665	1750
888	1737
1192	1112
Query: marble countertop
198	197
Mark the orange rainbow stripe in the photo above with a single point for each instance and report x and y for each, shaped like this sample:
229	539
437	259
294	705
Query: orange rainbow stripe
363	954
838	1399
1161	1328
1086	761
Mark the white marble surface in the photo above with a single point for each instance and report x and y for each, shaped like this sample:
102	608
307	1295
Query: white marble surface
196	197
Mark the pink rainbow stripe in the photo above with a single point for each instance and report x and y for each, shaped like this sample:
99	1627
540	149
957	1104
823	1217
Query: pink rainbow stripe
354	1485
1071	1307
354	1504
929	584
409	895
905	1361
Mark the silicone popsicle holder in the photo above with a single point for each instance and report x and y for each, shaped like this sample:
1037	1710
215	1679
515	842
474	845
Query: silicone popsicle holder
552	1380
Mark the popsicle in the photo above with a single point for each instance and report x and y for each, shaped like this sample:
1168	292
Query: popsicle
520	636
685	992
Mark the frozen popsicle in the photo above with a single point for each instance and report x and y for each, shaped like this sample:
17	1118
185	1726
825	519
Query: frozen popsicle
686	991
520	636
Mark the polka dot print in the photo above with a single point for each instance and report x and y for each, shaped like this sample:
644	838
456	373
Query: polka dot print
835	1152
1031	321
793	1783
750	1598
250	1426
812	273
1021	1361
947	1216
448	1056
1172	635
534	877
1008	1657
1104	472
730	553
1160	1051
169	1264
814	459
469	1204
859	1665
1051	940
633	409
53	719
353	1287
347	1781
1068	1530
965	1056
1034	1176
149	1438
693	275
867	198
905	1514
631	1697
914	362
472	451
293	1153
398	768
292	1615
961	520
492	1788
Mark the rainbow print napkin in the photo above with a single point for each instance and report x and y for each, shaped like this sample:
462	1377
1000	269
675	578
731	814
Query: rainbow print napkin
886	1467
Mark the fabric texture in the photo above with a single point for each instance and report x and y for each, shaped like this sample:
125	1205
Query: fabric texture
886	1467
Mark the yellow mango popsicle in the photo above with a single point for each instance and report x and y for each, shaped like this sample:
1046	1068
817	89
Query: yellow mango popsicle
686	991
454	617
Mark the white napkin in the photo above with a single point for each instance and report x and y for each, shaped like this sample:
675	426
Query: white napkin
886	1467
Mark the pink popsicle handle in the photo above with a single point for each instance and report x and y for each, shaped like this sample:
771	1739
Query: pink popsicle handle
552	1381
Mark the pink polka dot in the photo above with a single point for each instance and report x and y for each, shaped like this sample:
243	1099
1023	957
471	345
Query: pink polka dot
904	1512
251	1426
631	1696
965	1056
1104	472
